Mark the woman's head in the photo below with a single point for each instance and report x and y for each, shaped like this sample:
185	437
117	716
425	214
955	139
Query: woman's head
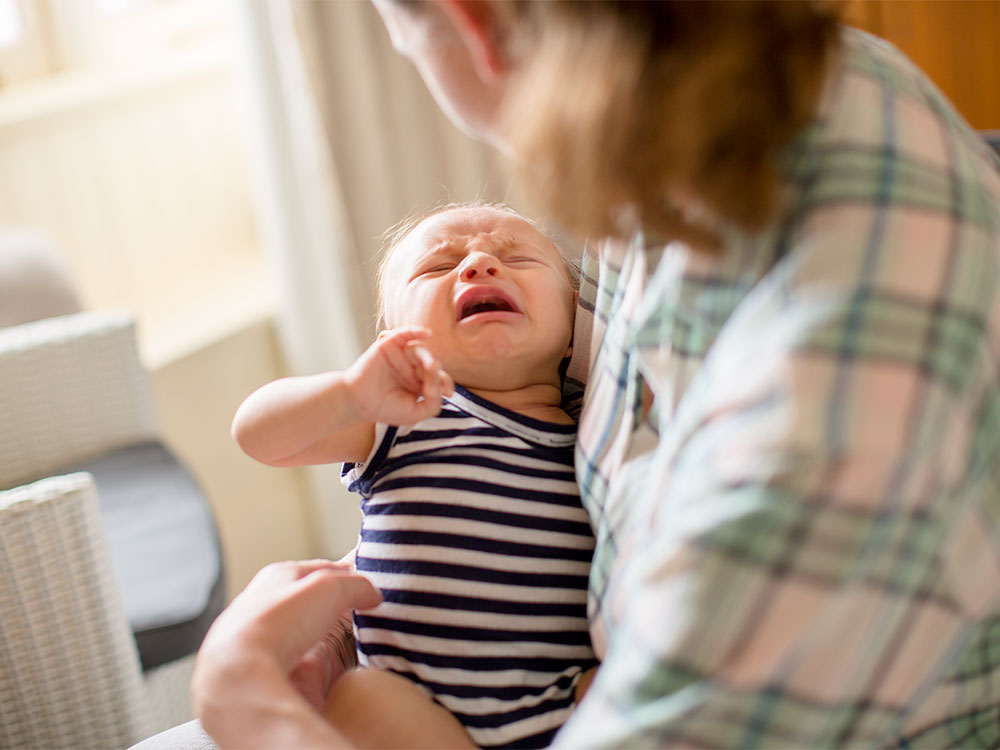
621	109
465	77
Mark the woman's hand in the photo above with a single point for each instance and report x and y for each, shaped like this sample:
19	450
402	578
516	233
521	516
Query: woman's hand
397	380
328	659
243	685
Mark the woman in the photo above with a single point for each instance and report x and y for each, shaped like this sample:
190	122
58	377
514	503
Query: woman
789	431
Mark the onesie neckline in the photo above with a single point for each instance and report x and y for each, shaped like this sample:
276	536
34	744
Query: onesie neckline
533	430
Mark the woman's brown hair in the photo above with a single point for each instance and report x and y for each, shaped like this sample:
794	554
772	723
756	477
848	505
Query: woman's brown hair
668	114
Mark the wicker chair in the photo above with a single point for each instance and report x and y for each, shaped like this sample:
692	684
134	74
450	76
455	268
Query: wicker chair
88	655
71	674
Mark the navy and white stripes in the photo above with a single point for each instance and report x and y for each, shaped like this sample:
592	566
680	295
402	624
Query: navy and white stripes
474	532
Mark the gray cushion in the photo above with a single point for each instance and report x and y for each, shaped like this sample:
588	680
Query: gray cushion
34	280
164	548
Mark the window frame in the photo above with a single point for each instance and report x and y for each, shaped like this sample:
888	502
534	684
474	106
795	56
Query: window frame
70	35
33	53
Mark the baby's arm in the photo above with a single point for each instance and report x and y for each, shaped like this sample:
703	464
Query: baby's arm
331	416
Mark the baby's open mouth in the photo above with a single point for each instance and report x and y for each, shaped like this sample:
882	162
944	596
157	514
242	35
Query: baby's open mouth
485	305
483	299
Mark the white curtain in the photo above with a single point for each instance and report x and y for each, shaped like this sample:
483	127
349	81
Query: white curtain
300	212
344	141
395	151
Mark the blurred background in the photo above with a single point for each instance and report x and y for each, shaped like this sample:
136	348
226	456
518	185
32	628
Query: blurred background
225	168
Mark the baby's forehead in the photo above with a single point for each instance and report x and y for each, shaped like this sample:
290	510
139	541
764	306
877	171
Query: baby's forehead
457	225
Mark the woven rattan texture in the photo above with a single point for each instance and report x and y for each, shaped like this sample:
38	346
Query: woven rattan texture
169	691
69	670
72	387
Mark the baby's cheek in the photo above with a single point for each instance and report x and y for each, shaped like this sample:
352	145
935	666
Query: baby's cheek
424	307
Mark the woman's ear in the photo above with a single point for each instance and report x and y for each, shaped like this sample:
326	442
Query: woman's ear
480	28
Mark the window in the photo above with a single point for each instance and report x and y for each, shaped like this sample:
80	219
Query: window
11	23
25	42
121	142
39	37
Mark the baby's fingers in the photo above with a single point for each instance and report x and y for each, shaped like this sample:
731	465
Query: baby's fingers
445	383
398	349
430	370
426	361
435	382
404	334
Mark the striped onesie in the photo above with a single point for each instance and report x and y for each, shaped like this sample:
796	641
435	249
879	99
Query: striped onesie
474	533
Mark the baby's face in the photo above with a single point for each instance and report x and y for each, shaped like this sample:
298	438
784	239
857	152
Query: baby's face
493	291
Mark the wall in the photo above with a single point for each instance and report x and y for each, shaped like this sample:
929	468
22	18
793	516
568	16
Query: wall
957	43
139	176
260	510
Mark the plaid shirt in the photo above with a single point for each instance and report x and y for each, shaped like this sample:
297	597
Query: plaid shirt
798	544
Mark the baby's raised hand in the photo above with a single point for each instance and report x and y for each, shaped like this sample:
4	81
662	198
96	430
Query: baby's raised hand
397	380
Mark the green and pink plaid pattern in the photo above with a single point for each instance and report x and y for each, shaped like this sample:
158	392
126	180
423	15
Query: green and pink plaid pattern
799	539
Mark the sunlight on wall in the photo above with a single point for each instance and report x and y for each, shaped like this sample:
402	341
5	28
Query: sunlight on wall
137	171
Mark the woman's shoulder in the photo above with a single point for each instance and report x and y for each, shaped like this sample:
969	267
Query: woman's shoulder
877	105
891	190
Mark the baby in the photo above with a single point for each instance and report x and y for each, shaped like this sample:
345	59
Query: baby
450	428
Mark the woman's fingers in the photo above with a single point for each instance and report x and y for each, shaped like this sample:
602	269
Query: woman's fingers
317	607
289	606
291	570
340	588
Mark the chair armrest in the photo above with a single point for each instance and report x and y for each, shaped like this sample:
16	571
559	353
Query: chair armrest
69	671
73	387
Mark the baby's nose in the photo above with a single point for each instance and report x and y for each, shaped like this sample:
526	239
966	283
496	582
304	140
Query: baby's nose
478	264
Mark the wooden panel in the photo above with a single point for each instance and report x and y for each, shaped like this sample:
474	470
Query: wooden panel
957	42
865	14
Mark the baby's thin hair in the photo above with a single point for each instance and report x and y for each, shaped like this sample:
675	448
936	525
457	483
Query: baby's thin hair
394	236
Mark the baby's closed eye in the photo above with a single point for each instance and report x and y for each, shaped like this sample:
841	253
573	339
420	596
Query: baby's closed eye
437	268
